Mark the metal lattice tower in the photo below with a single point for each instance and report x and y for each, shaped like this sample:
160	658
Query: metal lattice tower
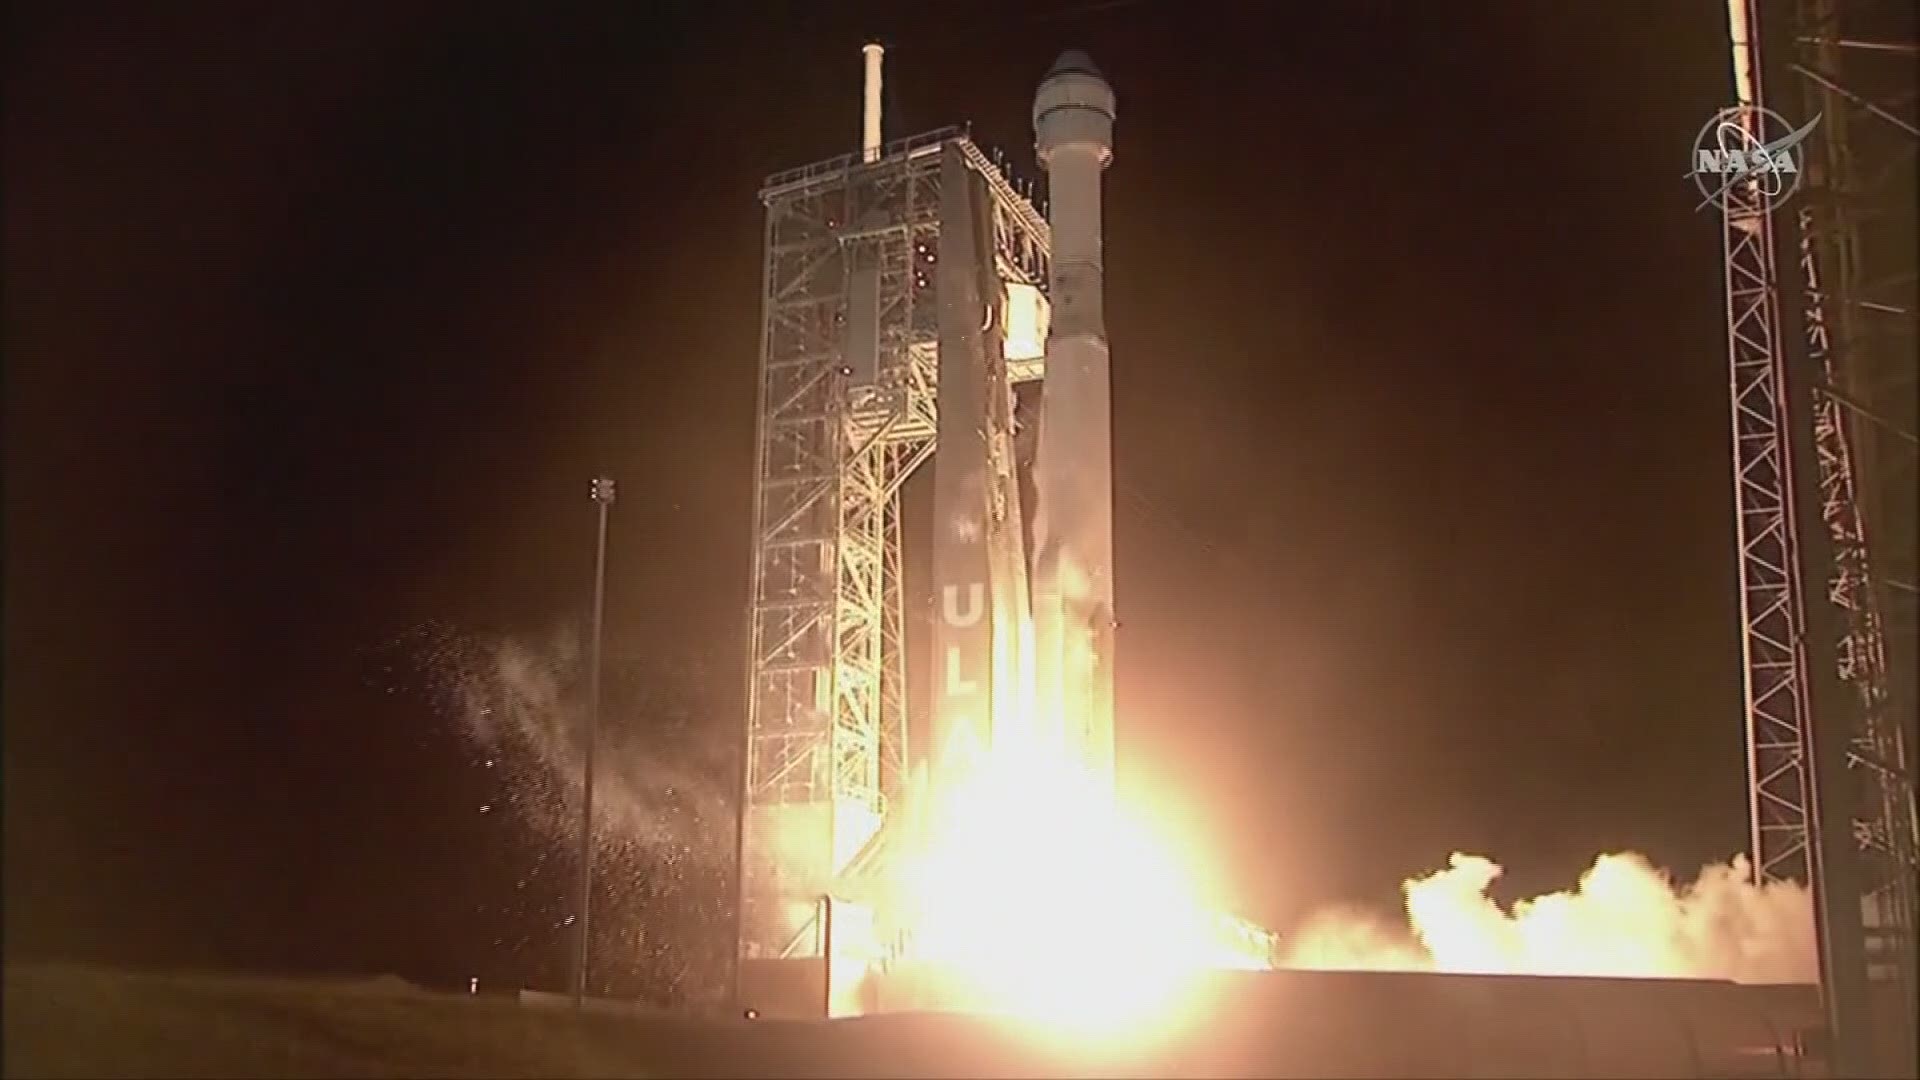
850	248
1771	620
1856	258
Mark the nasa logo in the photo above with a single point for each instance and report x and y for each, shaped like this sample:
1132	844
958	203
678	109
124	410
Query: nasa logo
1734	154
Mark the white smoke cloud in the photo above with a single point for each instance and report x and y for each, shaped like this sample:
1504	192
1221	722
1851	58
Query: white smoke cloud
1625	918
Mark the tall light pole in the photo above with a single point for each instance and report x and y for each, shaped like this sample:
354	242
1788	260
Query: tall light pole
603	497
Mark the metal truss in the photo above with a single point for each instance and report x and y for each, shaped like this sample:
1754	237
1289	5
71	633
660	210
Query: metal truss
827	731
1854	62
1771	619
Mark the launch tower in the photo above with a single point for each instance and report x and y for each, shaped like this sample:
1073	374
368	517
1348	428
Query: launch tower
904	296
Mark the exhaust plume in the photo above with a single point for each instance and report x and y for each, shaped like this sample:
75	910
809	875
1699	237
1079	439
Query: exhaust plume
1625	918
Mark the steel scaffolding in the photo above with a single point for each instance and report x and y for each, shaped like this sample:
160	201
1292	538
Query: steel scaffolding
1854	63
850	247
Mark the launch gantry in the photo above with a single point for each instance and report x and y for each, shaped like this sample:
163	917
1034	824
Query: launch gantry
1859	319
849	367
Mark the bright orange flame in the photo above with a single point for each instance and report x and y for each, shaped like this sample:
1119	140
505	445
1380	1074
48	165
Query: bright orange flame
1036	894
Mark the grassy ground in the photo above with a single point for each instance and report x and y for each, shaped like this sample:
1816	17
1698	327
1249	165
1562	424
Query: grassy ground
76	1022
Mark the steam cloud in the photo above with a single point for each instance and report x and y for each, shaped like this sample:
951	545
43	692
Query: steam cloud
656	782
1625	918
663	813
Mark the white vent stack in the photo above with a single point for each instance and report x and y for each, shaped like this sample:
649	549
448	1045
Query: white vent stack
870	108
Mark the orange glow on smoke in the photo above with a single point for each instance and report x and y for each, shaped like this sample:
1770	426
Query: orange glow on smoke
1624	918
1036	893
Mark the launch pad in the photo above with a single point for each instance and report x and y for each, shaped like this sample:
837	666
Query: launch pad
919	307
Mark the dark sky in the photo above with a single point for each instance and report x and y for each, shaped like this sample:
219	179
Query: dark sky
319	319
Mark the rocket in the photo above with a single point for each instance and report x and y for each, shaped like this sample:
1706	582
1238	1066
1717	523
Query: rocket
1023	651
1072	586
979	565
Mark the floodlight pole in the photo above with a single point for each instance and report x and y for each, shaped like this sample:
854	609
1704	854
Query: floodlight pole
603	497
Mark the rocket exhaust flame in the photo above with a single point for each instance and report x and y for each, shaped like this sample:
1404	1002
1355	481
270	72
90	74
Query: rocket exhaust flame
1034	892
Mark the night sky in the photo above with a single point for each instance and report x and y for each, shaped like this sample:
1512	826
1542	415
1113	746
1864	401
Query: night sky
319	319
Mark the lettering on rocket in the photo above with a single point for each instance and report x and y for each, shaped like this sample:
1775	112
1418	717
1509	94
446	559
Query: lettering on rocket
950	604
957	683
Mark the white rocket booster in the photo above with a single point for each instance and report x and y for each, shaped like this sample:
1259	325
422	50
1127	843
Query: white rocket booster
1073	113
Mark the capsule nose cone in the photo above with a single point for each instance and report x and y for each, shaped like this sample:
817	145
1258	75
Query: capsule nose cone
1074	61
